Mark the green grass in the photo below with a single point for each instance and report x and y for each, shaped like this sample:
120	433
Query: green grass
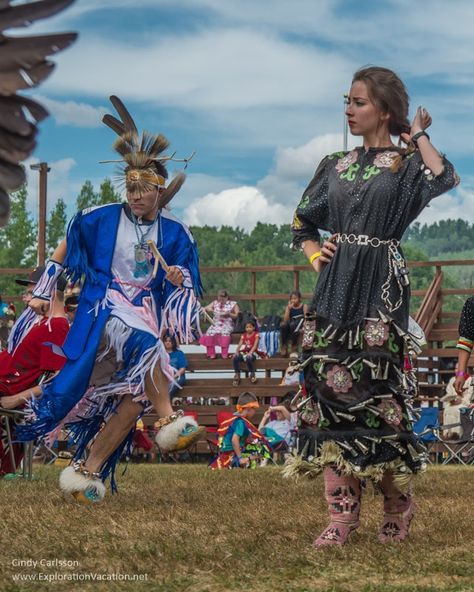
186	527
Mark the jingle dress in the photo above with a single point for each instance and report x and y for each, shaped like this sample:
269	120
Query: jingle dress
359	416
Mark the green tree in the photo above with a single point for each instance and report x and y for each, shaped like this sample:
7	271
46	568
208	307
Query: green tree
87	197
56	225
18	241
107	193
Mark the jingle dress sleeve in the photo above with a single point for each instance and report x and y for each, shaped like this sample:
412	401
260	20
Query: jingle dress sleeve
312	212
466	326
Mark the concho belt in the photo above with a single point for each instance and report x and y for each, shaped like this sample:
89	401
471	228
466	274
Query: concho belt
397	268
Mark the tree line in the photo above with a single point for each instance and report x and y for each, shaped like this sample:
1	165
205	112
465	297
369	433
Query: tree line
266	244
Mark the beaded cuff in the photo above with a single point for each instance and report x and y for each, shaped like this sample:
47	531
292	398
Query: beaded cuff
47	282
465	344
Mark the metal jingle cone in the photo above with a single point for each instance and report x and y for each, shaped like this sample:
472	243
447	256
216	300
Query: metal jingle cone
362	447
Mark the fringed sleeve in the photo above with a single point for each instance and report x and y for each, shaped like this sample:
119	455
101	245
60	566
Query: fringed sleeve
180	313
76	261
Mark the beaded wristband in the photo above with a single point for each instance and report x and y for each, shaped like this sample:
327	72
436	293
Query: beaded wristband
418	135
314	256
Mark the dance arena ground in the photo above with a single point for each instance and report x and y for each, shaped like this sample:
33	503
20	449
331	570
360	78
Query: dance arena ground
183	527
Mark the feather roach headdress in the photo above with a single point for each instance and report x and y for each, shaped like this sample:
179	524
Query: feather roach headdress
142	155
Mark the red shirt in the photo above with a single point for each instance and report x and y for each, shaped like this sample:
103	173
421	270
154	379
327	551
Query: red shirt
248	341
33	357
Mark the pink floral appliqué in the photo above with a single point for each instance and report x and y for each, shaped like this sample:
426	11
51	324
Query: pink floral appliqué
375	333
345	161
339	379
384	160
390	411
309	414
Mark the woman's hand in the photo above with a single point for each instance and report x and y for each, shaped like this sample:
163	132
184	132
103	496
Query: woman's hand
421	121
327	253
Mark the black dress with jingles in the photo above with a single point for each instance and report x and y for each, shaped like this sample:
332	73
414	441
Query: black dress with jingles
358	412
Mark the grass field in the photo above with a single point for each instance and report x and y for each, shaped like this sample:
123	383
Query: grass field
183	527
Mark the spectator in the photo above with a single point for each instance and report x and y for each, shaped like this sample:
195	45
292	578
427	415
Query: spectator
276	430
240	443
453	403
292	376
178	361
71	301
224	312
292	322
7	318
246	352
37	354
141	441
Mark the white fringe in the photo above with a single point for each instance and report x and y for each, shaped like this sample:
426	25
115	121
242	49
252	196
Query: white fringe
70	481
168	436
117	334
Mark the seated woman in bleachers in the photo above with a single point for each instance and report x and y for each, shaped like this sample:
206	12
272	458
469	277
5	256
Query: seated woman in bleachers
224	312
178	361
292	321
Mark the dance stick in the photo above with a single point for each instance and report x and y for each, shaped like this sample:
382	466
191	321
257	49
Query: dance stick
166	267
158	258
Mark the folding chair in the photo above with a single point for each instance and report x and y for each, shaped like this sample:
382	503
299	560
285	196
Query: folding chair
15	416
449	450
426	422
212	441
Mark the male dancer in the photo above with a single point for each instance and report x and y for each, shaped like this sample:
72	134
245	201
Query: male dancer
139	267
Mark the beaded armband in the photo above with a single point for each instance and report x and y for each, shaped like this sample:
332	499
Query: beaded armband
465	344
47	282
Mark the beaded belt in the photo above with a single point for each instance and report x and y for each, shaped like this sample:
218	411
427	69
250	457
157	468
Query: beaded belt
397	269
364	239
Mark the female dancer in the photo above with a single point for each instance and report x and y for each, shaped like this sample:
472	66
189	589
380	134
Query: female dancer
357	421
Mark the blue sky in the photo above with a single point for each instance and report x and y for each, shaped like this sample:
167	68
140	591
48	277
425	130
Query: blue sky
255	87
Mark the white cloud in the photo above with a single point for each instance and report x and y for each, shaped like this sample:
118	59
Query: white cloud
455	204
73	113
241	206
224	69
198	184
62	182
294	167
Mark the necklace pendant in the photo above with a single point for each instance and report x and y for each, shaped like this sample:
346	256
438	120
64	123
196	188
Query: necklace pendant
142	266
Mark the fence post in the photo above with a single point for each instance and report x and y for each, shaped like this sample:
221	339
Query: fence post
296	280
253	289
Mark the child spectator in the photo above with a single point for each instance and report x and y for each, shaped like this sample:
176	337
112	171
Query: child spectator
246	352
276	430
292	322
178	361
240	443
224	313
